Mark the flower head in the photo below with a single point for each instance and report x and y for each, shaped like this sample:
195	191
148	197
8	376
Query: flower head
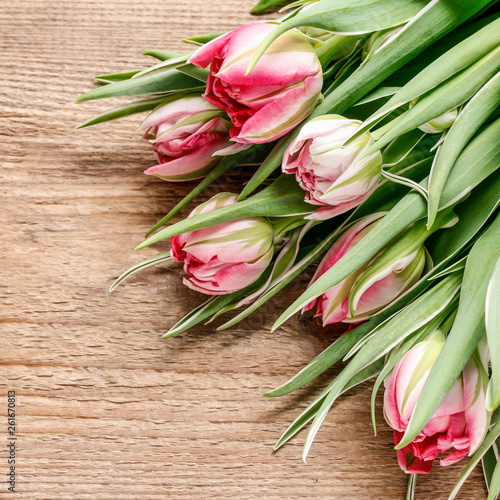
335	177
364	293
227	257
185	133
459	424
279	92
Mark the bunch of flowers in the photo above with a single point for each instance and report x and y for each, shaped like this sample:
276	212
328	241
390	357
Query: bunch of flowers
384	120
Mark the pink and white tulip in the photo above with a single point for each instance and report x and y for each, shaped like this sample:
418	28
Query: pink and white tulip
457	427
186	133
335	177
280	91
227	257
363	294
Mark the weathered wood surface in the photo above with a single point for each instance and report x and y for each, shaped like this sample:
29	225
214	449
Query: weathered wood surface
106	408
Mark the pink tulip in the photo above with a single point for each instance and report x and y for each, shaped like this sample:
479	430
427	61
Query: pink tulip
279	92
335	177
227	257
459	424
186	132
363	294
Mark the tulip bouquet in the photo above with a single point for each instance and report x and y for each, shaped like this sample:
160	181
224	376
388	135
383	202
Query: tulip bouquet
384	119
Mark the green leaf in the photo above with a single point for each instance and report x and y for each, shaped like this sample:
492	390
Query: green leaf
162	55
124	110
446	96
264	5
282	197
309	413
168	81
203	39
347	17
492	317
413	339
478	160
212	305
466	125
152	261
472	216
225	164
421	311
494	490
456	59
486	444
269	165
116	77
465	334
489	462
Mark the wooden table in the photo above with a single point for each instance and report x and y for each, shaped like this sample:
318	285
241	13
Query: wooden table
105	407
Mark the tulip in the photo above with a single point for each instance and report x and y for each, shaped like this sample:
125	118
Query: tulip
335	177
186	132
362	295
460	423
227	257
279	92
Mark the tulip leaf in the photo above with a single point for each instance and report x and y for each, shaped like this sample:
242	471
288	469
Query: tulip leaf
432	23
264	5
269	165
378	93
422	310
282	197
456	266
456	59
478	160
152	261
124	110
310	412
420	335
467	331
466	125
489	440
167	81
489	462
203	39
116	77
472	216
492	317
212	305
225	164
161	55
170	63
446	96
347	17
494	489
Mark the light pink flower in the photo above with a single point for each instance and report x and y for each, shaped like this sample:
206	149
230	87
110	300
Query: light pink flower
186	132
363	294
227	257
459	424
335	177
280	91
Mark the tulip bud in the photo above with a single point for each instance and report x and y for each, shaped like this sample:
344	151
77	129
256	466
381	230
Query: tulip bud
280	91
227	257
185	133
440	123
459	424
364	293
336	177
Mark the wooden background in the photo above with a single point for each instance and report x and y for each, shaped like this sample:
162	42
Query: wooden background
106	408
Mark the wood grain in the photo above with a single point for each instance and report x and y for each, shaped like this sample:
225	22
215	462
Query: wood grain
106	408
